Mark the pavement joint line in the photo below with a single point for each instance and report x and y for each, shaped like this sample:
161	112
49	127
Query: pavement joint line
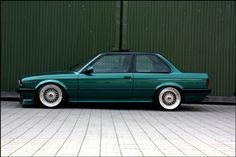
218	120
25	130
203	121
131	134
146	134
113	131
77	119
217	115
52	135
9	114
36	134
21	124
161	133
84	134
178	135
218	111
100	133
210	125
117	139
195	137
14	118
214	107
204	134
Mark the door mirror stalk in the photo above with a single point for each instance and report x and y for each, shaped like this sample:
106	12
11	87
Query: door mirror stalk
89	70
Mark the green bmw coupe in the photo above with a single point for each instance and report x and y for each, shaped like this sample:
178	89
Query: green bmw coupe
117	77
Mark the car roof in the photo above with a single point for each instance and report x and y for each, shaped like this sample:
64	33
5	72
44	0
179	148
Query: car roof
127	52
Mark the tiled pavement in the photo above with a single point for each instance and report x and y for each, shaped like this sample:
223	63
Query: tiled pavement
109	130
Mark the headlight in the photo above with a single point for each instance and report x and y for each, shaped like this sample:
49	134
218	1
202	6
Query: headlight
19	82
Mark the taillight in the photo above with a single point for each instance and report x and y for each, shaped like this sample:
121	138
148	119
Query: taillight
207	83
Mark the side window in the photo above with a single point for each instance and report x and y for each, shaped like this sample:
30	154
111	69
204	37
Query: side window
151	64
112	64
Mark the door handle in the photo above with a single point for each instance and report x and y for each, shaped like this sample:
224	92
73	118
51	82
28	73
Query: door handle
127	77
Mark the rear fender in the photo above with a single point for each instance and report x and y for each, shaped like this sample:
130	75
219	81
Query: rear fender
169	84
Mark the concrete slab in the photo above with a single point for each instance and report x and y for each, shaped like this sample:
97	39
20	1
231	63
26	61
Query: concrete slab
117	130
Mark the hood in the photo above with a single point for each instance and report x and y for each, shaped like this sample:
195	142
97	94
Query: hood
48	75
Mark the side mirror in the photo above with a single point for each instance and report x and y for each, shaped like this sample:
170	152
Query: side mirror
89	70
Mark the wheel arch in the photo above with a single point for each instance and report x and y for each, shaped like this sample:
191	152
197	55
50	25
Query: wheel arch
55	82
170	84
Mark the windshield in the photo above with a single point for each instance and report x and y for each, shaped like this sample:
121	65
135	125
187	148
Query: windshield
76	67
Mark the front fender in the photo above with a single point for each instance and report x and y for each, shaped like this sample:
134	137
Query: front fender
50	81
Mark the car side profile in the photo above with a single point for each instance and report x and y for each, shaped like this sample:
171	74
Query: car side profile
117	77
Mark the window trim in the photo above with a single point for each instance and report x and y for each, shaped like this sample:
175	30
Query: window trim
130	69
135	61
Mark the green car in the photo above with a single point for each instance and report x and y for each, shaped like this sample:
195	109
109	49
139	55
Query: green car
117	77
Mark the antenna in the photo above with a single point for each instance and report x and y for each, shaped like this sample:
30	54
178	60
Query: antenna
127	50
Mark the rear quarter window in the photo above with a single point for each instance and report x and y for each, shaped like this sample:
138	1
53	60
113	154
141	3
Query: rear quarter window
150	64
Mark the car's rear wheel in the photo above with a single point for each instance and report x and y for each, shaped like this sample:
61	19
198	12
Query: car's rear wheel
168	98
51	95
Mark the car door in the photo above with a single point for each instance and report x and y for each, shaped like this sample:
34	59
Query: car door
149	72
111	79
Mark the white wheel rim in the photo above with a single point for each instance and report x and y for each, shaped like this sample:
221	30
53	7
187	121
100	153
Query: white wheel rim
169	98
50	95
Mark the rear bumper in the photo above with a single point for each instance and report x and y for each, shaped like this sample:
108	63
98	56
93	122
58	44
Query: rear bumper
195	95
197	91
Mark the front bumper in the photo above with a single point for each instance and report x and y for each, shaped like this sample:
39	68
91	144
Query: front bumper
26	95
20	90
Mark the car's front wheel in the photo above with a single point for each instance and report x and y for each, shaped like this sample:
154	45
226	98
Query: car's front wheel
168	98
51	95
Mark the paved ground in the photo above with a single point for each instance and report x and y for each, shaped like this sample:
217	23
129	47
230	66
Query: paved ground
109	130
